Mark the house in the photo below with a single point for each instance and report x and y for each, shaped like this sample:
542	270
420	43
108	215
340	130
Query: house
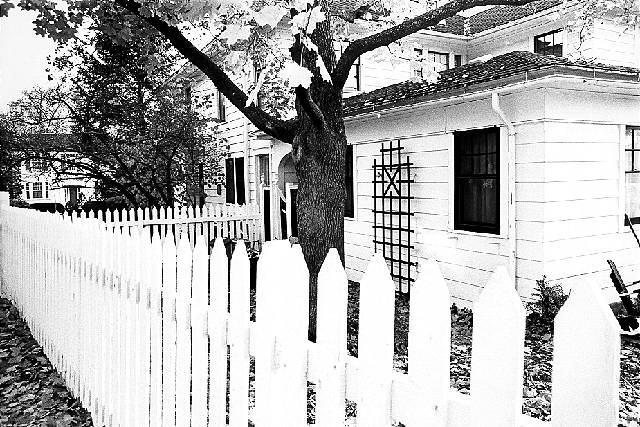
523	153
42	187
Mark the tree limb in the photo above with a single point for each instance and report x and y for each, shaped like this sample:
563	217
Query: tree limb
280	129
310	107
408	27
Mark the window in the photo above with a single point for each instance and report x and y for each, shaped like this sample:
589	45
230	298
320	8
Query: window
37	190
440	61
234	182
26	190
548	43
632	174
46	190
357	71
348	182
222	111
457	60
417	70
476	172
354	81
262	171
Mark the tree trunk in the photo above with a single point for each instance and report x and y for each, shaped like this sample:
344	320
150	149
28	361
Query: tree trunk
318	152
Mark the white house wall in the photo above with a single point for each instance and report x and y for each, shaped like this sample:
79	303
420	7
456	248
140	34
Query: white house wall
568	169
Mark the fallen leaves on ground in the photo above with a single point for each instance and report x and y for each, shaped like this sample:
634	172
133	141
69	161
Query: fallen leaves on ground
32	393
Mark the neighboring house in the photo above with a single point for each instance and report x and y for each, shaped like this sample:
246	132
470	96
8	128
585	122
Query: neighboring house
527	156
41	187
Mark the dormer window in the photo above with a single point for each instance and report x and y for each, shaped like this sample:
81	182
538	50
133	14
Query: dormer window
548	43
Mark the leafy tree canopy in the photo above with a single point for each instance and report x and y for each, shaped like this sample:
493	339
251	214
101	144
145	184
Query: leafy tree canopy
119	116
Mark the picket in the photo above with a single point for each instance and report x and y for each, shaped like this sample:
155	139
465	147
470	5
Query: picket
183	331
116	312
375	345
200	333
239	338
586	361
497	359
218	292
169	330
332	339
155	345
429	346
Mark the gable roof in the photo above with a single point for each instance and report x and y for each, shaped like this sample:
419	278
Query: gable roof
515	66
491	18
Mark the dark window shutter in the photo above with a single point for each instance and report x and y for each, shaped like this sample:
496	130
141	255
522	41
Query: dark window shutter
240	199
229	181
348	182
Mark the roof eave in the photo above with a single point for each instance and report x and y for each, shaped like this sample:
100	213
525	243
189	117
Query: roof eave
521	77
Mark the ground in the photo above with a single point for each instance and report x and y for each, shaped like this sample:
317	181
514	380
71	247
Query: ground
32	393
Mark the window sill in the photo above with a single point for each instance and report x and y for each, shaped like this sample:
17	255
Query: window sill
455	233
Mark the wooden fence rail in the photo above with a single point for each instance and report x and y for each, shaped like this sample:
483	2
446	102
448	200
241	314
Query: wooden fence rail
156	332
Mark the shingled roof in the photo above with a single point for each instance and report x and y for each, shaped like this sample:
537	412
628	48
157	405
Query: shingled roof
467	78
491	18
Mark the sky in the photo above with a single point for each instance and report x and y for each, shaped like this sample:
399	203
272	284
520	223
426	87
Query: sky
23	56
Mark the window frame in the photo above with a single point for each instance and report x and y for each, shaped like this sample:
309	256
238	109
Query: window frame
439	55
349	181
37	189
458	224
634	169
545	51
222	109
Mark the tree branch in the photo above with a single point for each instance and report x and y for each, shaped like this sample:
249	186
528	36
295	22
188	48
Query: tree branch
310	107
280	129
408	27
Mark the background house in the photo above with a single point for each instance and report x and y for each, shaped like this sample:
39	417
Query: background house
43	187
551	125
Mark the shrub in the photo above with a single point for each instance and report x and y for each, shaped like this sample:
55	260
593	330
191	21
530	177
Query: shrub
548	301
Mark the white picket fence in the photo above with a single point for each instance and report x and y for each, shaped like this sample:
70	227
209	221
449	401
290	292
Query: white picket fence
141	333
211	220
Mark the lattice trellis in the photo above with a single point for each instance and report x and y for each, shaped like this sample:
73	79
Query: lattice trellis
392	212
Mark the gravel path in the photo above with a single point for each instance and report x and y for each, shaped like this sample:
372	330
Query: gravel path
32	393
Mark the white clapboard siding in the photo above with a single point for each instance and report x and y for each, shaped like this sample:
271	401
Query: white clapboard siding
141	309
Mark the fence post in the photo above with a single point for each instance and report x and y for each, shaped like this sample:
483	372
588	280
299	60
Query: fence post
497	360
586	361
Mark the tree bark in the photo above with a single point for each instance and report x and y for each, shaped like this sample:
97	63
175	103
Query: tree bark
318	152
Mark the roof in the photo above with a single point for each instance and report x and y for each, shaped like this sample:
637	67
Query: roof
466	78
491	18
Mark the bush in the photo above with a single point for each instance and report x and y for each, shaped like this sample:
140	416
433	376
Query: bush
548	301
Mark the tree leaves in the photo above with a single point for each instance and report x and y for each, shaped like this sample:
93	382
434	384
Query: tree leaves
269	15
296	75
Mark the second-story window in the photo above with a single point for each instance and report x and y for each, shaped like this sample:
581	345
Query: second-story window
256	76
548	43
417	70
440	60
222	110
457	60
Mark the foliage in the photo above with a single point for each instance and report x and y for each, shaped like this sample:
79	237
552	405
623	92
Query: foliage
9	161
548	301
127	124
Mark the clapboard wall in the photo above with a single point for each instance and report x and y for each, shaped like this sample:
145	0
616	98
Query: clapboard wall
567	185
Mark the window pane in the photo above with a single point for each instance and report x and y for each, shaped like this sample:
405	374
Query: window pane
478	200
632	190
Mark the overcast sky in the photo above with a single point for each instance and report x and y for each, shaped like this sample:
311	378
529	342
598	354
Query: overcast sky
23	56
